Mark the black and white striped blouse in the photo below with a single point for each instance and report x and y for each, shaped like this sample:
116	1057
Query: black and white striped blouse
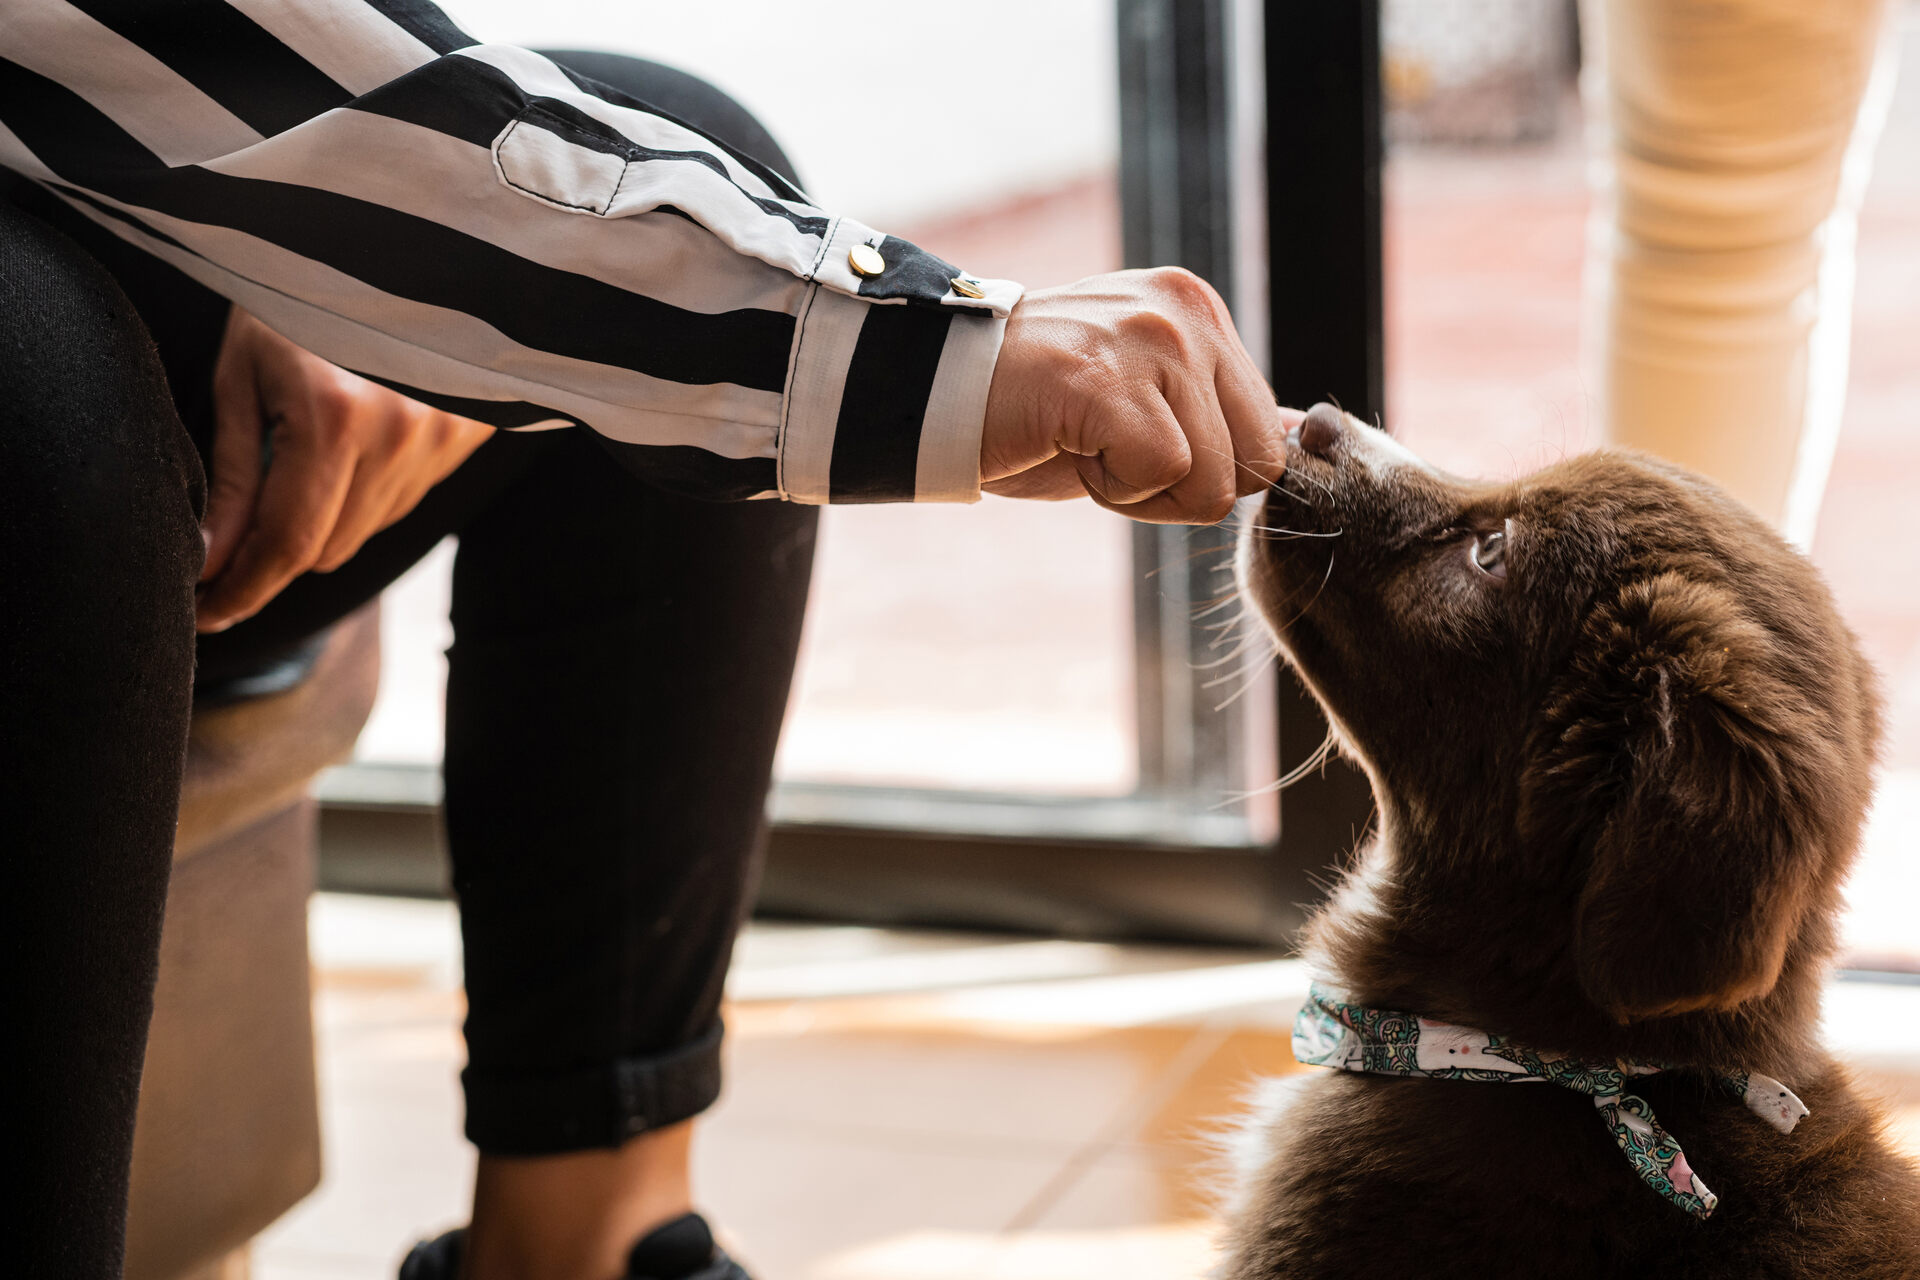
475	226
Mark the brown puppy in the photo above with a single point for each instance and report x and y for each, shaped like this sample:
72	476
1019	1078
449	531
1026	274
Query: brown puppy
1621	744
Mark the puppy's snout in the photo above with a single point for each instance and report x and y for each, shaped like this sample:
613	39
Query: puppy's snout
1321	430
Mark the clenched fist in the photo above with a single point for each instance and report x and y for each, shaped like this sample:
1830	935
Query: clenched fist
1134	388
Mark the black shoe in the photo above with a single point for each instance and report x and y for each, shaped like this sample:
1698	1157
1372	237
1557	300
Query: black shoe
679	1250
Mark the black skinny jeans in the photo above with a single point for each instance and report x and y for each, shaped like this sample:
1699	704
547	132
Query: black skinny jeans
619	671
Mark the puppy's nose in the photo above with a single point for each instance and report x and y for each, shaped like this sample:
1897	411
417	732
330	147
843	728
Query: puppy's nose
1321	430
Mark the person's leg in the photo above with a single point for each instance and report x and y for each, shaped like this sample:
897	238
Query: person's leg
1738	150
611	723
100	492
618	678
611	727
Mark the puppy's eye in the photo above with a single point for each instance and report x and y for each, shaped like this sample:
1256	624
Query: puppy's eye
1490	553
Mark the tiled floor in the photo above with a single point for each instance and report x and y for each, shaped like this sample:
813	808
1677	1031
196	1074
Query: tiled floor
901	1106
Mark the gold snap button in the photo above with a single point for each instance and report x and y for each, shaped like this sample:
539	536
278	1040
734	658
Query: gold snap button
967	288
866	260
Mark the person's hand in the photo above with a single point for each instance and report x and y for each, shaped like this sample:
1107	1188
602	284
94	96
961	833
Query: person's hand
1132	387
348	458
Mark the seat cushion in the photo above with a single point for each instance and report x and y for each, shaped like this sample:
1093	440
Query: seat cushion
247	758
228	1134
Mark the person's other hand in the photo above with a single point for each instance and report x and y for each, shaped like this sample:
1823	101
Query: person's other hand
1132	387
348	458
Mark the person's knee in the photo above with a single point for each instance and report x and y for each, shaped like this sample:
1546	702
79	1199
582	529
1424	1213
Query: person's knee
96	474
685	97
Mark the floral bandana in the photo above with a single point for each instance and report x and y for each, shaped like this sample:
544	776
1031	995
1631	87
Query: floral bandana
1329	1032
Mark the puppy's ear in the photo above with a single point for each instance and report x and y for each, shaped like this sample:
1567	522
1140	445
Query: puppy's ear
1676	753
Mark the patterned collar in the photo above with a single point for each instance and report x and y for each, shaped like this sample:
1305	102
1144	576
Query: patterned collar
1329	1032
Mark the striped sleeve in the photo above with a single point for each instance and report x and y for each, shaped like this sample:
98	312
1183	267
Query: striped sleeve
473	225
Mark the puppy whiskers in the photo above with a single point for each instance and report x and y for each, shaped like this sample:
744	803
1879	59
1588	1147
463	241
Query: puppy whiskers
1207	607
1324	579
1226	551
1284	534
1244	466
1315	481
1317	760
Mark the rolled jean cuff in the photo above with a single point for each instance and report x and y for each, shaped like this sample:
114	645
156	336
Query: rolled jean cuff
592	1109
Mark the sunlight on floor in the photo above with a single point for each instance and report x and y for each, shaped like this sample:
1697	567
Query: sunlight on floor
1174	1249
900	1105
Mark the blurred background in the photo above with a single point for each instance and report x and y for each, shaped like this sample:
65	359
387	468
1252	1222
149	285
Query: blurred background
1041	719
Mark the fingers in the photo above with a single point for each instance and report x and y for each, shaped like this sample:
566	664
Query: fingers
363	513
372	493
1181	446
237	433
349	458
1138	382
1257	426
1134	451
1055	480
299	505
416	448
1206	493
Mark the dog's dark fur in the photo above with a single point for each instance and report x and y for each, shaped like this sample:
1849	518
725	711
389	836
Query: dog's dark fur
1618	791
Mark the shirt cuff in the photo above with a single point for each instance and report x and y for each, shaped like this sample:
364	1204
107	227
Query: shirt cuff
907	274
885	402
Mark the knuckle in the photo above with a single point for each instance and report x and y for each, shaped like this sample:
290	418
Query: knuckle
290	551
329	429
439	433
1154	329
463	432
1194	297
334	401
383	449
1184	285
306	548
1166	470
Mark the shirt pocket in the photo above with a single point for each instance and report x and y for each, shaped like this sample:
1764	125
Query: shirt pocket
565	161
